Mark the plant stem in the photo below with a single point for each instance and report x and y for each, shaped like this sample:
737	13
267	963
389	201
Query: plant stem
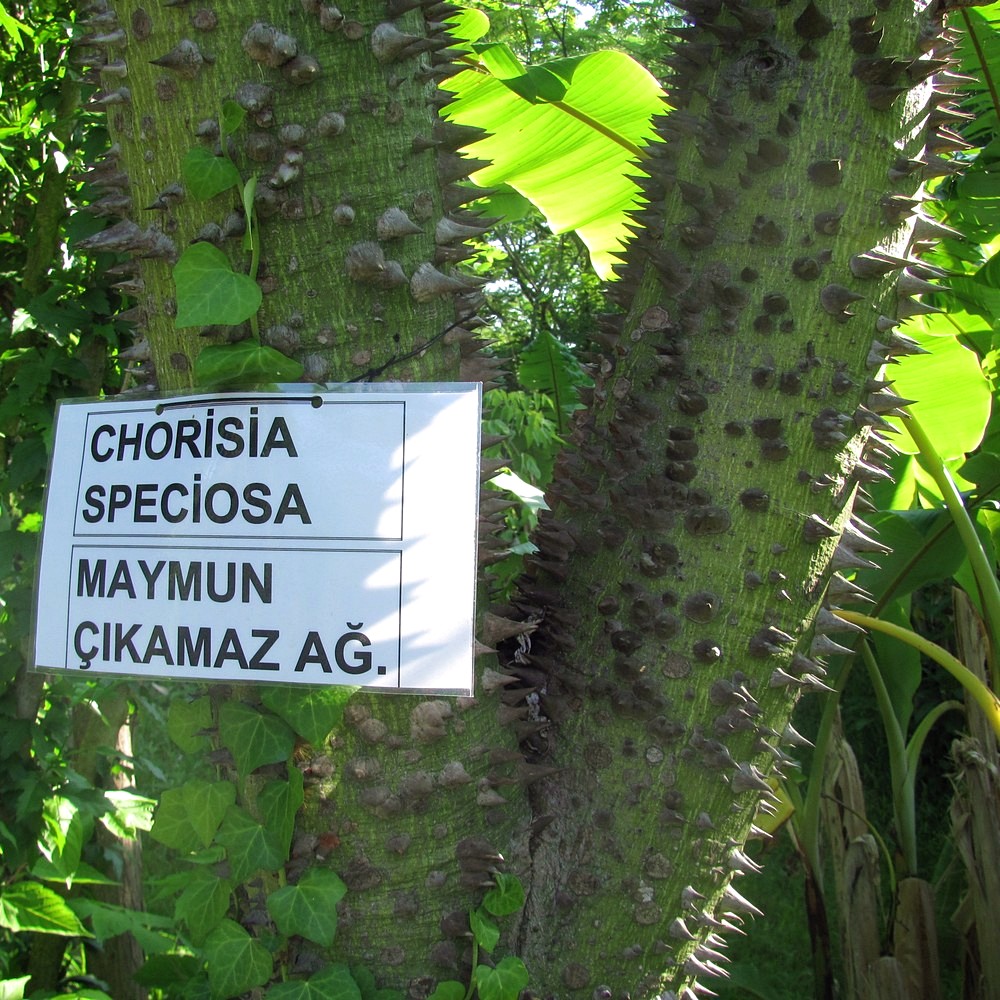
981	694
984	573
895	738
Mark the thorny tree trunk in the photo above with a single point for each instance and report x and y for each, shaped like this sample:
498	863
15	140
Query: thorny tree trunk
697	516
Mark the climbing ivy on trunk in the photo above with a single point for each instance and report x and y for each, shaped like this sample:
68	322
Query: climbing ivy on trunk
616	755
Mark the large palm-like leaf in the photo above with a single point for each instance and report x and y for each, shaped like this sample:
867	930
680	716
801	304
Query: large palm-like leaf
566	135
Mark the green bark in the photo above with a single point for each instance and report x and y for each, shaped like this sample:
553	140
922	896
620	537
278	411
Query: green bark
680	575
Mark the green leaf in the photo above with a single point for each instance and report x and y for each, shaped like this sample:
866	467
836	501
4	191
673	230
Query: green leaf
30	906
187	722
246	362
952	395
925	548
250	847
484	928
313	712
236	962
129	813
448	990
203	903
205	175
253	737
332	983
108	921
572	158
467	24
210	292
505	982
309	908
187	817
13	989
232	117
506	897
278	803
547	365
167	971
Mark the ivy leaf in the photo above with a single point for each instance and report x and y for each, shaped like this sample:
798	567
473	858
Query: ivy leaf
232	118
278	802
448	990
247	361
332	983
210	292
187	817
31	906
203	903
505	982
164	971
506	897
205	175
187	721
309	908
313	712
236	962
250	847
484	929
253	737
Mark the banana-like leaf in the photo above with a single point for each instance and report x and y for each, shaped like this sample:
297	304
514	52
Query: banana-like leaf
567	135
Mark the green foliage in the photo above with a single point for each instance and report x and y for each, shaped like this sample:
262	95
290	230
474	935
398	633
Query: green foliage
557	135
313	712
30	906
504	981
309	908
188	817
245	362
210	292
253	738
236	961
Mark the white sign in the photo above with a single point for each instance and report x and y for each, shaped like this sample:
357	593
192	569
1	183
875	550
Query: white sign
317	537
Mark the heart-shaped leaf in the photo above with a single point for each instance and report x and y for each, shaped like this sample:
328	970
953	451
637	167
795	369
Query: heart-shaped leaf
205	175
210	292
244	362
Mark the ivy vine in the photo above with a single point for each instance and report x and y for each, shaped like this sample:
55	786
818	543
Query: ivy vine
209	291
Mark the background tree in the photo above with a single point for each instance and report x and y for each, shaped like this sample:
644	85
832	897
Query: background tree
747	342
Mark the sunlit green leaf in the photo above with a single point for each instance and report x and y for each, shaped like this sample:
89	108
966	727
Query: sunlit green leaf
570	158
210	292
952	394
31	906
188	817
467	24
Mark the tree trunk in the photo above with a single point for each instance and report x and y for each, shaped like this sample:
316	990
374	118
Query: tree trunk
697	515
